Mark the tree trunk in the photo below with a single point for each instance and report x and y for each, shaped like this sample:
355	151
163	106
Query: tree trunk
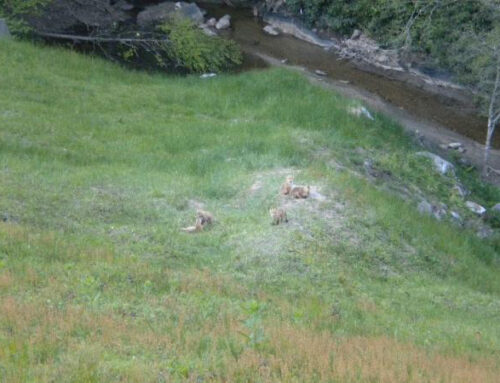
487	146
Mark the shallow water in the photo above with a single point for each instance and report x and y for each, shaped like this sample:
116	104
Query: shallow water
452	114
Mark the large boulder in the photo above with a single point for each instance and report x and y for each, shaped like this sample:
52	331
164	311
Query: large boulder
77	15
4	29
156	14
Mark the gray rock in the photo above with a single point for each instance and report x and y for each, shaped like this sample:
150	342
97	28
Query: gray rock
440	164
496	208
456	217
361	111
224	22
485	232
162	12
475	208
455	145
123	5
356	34
4	29
212	22
320	72
270	30
425	207
439	211
460	190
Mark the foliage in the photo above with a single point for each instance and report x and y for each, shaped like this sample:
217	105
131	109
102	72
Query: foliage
15	11
191	50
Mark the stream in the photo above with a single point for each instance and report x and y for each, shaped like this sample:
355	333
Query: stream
455	114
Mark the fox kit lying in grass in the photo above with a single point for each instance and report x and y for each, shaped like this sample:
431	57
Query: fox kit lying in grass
287	186
300	191
194	229
203	218
278	215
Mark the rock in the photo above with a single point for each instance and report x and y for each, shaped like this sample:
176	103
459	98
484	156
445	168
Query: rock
485	232
456	217
441	165
212	22
162	12
475	208
361	111
284	61
224	22
425	207
455	145
68	16
270	30
320	72
439	211
207	30
356	34
208	75
496	208
4	29
124	5
460	190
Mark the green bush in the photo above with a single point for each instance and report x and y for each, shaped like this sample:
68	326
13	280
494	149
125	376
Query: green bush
15	12
189	49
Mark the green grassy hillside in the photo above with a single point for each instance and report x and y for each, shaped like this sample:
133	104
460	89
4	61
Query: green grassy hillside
100	167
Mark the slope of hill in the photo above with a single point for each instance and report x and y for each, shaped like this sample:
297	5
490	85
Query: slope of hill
100	167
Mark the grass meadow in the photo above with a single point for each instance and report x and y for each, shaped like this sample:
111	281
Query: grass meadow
101	166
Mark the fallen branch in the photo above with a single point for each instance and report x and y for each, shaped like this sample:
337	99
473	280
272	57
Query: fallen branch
99	39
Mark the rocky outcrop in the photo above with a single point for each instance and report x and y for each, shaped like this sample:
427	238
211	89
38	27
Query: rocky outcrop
78	15
162	12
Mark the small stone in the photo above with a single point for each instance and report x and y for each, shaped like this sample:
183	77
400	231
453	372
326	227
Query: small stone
284	61
208	75
224	22
212	22
475	208
455	145
270	30
320	72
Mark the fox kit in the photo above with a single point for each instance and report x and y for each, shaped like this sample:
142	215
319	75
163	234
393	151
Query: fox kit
287	186
300	191
205	217
278	215
194	229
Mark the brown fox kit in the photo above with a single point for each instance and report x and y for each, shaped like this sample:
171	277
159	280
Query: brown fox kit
286	188
300	191
203	218
278	215
194	229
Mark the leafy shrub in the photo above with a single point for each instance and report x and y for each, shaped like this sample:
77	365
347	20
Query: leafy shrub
191	50
15	12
